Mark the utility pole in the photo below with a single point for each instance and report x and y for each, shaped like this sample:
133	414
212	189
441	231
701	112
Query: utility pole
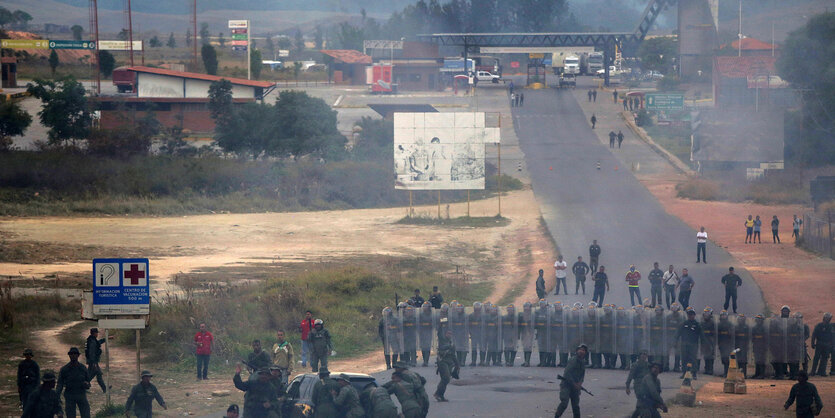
739	41
194	35
248	51
94	30
130	34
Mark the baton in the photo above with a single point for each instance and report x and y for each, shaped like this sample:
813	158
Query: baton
581	386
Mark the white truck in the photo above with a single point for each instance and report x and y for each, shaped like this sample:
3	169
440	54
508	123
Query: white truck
571	65
559	54
487	76
595	62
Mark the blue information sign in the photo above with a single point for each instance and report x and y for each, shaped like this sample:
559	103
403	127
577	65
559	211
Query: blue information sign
121	286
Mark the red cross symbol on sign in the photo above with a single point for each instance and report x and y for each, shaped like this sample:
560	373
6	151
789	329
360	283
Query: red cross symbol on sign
134	274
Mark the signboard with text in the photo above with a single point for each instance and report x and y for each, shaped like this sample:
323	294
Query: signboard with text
121	286
664	101
62	44
119	45
24	43
237	24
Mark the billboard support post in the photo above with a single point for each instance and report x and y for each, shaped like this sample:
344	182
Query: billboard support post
138	362
410	203
439	204
107	365
500	177
468	203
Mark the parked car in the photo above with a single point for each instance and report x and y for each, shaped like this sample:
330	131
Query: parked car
299	400
487	76
653	76
568	80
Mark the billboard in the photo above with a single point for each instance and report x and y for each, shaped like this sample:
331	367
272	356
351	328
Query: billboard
119	45
238	24
441	151
121	286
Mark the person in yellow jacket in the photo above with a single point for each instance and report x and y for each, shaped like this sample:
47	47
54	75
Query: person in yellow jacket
283	356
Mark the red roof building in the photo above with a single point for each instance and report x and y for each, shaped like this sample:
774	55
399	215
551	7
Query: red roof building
752	47
348	66
749	81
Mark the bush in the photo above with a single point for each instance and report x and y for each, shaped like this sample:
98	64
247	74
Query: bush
643	118
698	189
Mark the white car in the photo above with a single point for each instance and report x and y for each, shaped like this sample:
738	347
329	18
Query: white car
612	71
487	76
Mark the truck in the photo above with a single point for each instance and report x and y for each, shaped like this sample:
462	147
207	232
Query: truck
568	80
124	80
487	76
595	62
571	65
559	54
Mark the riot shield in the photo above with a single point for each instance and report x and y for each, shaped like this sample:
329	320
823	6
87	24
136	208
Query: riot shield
392	333
556	327
460	334
510	329
591	328
492	335
607	342
408	317
794	340
708	346
526	330
657	336
426	330
725	336
623	331
542	323
777	335
742	339
475	324
573	329
672	323
760	341
639	327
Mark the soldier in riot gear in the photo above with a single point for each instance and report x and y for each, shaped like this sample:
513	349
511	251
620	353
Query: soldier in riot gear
510	334
573	329
777	341
426	323
460	335
759	345
638	331
590	335
742	337
690	334
410	335
674	320
623	330
526	332
608	343
822	344
390	334
492	335
709	343
657	336
557	329
725	340
797	332
541	326
475	324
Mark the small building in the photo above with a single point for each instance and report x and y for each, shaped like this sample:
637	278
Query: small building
751	47
348	66
177	98
9	69
418	67
738	138
751	82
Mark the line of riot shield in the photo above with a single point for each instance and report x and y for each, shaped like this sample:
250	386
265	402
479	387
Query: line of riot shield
408	317
708	346
574	323
639	328
475	323
623	332
591	334
742	342
426	331
673	321
510	334
542	325
492	335
556	336
526	332
760	338
607	338
795	344
392	334
777	345
657	335
460	333
725	339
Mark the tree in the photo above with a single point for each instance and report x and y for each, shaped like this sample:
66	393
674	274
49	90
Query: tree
299	41
123	35
255	63
21	18
53	61
284	42
77	32
305	125
155	42
317	37
106	63
220	39
13	122
375	140
6	17
172	43
64	110
209	59
188	38
807	62
657	54
297	68
349	37
270	46
204	33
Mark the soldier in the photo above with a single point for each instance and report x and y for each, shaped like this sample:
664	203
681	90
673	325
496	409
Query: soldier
436	299
821	343
283	356
797	332
639	369
320	344
278	380
43	402
690	334
674	320
759	345
142	396
322	398
556	327
709	342
447	365
608	341
591	327
573	328
418	382
648	392
425	326
510	335
580	270
258	359
460	335
492	335
29	373
405	393
657	336
260	397
526	332
475	324
594	254
92	353
742	337
601	285
725	340
346	398
377	402
232	411
777	340
623	330
73	376
390	334
638	331
410	336
542	337
574	375
809	402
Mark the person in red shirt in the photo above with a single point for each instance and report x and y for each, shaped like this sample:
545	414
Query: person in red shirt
632	278
304	328
203	349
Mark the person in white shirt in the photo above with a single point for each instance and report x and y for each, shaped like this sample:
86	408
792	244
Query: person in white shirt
561	268
670	281
701	244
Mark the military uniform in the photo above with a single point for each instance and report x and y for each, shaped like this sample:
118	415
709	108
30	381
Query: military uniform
573	332
92	353
542	339
446	362
475	325
425	327
638	332
648	392
526	333
637	372
759	346
460	335
73	381
674	320
492	322
556	329
42	403
590	329
405	393
258	361
690	334
658	337
574	374
410	336
709	342
822	344
725	341
348	402
142	396
29	374
323	406
390	331
807	397
377	403
418	382
797	333
742	340
510	335
608	342
624	337
321	347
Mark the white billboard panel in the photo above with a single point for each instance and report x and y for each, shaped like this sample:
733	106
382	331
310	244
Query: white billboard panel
238	24
441	151
119	45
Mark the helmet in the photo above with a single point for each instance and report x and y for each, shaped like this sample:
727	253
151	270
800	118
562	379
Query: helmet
798	315
659	309
426	305
647	302
827	315
558	306
690	310
318	322
402	305
592	305
526	306
578	305
785	307
675	307
620	308
759	317
542	304
708	309
607	309
476	306
638	308
723	314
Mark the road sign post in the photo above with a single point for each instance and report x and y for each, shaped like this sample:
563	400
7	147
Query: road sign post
62	44
241	31
664	101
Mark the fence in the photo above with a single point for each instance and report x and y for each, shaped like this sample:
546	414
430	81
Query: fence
817	234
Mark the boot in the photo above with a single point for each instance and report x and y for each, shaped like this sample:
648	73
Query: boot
607	358
474	358
793	369
413	358
497	358
709	366
425	354
553	358
483	358
563	360
623	361
512	358
388	362
393	358
462	358
677	365
743	367
527	362
542	359
725	365
759	371
404	357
